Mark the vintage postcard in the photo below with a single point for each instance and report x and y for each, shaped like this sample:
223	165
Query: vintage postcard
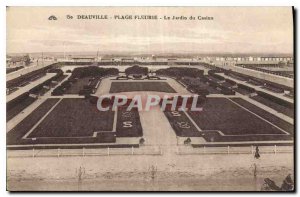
150	99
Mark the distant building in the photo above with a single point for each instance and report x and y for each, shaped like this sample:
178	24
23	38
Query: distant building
83	59
15	61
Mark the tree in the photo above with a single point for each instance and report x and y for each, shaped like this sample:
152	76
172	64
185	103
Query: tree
27	60
136	70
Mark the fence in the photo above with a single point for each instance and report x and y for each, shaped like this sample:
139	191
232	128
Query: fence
148	150
186	150
142	150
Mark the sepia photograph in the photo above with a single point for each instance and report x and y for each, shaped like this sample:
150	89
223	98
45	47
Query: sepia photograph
150	99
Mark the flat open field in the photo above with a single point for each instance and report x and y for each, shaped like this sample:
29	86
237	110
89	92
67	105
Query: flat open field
117	87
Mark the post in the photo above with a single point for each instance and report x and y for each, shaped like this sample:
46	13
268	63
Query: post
275	149
227	149
132	150
83	151
252	149
58	152
32	152
204	150
42	59
108	150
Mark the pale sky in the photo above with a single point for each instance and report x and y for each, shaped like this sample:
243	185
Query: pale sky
233	30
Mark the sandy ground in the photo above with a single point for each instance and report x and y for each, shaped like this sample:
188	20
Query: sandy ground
176	172
160	172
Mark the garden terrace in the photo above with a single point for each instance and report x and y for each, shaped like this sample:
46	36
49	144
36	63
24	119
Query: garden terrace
227	84
257	81
213	79
10	70
275	103
273	88
17	105
76	85
83	80
204	85
213	74
93	71
226	91
27	78
14	136
180	72
265	114
245	89
197	86
263	68
237	76
40	90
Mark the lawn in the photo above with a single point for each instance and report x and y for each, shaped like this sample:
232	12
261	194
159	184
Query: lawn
236	124
15	135
78	85
224	115
117	87
128	123
74	117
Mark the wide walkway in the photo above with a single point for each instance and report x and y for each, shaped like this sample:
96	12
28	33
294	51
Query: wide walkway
156	128
158	131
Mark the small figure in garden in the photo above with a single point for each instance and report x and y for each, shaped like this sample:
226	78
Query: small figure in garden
142	141
256	155
187	141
